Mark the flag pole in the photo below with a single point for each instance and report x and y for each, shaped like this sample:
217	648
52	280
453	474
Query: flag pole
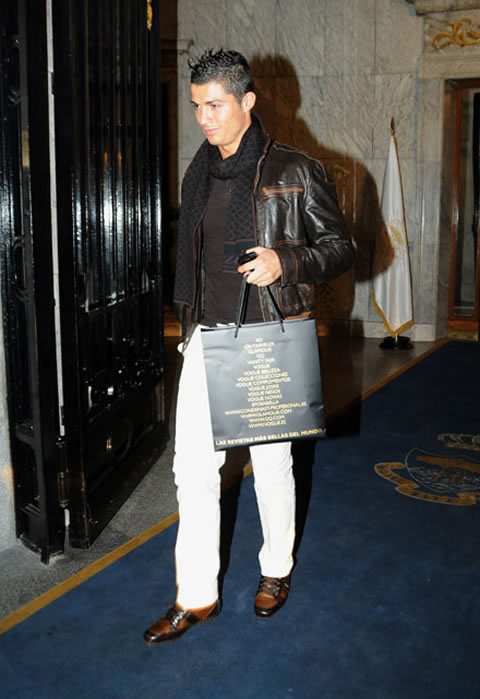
394	340
398	341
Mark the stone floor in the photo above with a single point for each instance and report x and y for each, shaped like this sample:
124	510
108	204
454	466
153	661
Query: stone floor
350	367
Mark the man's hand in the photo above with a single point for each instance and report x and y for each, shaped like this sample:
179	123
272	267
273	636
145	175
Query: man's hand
264	269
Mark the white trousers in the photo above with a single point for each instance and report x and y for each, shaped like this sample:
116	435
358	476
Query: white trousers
196	468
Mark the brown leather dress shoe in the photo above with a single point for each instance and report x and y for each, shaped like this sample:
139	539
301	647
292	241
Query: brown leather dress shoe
272	594
177	620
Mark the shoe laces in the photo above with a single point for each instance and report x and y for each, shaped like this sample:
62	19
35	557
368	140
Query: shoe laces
273	585
176	615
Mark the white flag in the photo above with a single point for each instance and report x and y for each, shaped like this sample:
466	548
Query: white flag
392	286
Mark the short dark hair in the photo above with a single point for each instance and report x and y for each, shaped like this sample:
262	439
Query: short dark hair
227	67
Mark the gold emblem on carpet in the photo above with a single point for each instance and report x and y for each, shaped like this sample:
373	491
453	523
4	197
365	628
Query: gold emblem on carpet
449	478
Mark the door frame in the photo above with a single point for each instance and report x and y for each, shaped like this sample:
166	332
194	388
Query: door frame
457	323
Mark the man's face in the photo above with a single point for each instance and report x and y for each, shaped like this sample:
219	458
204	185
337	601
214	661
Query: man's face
223	119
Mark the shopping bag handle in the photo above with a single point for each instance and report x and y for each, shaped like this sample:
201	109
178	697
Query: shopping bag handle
242	305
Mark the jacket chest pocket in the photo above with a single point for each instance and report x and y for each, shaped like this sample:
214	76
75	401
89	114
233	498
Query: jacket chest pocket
282	190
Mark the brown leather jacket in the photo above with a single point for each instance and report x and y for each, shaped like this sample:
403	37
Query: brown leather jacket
297	214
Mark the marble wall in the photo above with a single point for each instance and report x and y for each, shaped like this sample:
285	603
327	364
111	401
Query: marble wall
330	76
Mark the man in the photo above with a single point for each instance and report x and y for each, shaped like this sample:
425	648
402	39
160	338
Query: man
242	192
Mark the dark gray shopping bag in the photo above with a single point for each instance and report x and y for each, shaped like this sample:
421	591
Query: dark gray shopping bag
264	381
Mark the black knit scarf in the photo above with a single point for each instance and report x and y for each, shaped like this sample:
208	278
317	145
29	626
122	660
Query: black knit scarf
240	234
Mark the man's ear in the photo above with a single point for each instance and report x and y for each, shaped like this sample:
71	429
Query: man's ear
248	101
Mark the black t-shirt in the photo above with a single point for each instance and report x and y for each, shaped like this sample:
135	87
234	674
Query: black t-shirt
222	288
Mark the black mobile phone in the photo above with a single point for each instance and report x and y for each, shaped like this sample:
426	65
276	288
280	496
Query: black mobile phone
246	257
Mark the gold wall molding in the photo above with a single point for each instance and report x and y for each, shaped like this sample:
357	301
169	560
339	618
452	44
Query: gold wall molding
425	7
460	33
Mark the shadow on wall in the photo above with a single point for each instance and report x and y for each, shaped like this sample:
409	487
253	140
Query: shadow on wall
278	103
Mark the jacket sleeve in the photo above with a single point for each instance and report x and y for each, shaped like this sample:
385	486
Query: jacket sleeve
325	250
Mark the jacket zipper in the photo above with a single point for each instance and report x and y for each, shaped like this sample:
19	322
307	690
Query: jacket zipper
295	189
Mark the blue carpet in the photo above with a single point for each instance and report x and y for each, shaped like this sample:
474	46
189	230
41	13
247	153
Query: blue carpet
384	600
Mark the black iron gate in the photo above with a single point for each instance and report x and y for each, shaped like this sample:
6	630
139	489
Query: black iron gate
27	280
82	286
